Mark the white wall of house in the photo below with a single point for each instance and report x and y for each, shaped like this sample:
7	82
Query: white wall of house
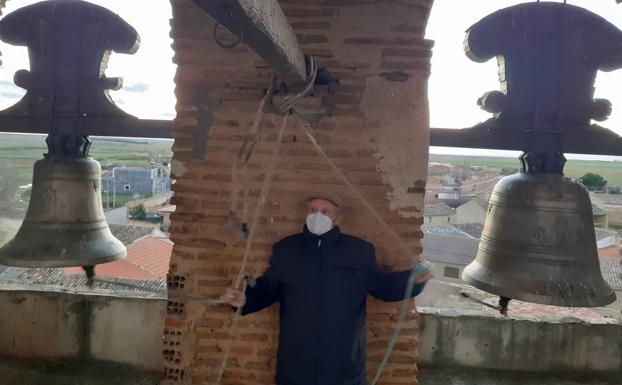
446	271
470	212
614	214
601	221
439	220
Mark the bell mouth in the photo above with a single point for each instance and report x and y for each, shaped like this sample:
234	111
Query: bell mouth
65	223
539	245
45	248
554	293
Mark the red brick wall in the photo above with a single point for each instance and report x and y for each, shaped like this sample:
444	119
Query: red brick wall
372	119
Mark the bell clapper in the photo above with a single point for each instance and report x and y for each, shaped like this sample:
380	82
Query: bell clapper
503	305
469	296
90	274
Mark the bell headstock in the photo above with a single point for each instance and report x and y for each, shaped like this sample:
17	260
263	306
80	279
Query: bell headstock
548	56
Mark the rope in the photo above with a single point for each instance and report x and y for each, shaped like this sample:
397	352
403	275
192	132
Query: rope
289	103
265	189
288	107
246	150
413	273
351	186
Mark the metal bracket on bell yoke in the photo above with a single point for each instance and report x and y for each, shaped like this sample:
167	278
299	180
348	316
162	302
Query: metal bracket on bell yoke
69	43
548	56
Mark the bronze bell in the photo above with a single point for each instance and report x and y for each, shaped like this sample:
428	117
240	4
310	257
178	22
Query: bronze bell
67	97
65	223
538	244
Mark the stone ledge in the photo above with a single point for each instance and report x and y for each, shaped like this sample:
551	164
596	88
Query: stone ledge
467	376
71	372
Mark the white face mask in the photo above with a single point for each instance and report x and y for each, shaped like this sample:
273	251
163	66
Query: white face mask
318	223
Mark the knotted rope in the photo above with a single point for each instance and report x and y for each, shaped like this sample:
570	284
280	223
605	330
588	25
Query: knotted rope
288	107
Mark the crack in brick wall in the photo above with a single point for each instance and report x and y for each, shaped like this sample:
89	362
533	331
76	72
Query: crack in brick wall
371	119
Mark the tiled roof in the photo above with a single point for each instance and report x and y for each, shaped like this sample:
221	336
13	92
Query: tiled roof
437	209
610	252
602	234
610	199
128	233
598	211
120	269
433	185
56	279
473	229
516	309
152	254
457	250
148	258
479	185
444	230
611	269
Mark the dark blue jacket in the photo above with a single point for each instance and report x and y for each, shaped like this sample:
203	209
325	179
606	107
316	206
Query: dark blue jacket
322	284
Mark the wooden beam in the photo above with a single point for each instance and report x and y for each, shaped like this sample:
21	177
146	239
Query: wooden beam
596	140
265	29
100	126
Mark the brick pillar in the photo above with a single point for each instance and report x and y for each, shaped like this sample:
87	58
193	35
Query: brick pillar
371	119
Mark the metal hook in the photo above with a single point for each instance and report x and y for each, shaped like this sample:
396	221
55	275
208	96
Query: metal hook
240	35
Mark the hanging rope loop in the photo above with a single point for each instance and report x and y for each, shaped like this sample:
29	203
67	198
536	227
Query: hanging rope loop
230	20
291	100
286	108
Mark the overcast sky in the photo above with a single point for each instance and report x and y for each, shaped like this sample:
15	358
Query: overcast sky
148	90
455	84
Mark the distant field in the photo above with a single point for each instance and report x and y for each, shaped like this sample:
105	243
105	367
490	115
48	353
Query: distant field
611	171
19	152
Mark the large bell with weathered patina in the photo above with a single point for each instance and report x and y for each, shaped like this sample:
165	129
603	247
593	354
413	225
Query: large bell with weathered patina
69	43
538	244
65	223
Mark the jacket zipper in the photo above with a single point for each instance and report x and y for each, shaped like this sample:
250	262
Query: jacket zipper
317	310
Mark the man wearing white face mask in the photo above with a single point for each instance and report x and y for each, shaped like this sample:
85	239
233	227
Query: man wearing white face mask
321	277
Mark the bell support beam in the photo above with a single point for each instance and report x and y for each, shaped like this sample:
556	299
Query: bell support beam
598	141
67	96
548	55
262	25
99	126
